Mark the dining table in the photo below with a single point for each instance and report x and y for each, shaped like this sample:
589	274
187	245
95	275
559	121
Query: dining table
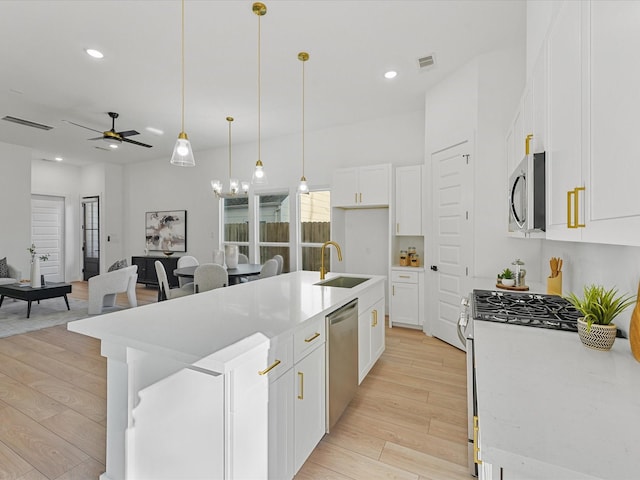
242	270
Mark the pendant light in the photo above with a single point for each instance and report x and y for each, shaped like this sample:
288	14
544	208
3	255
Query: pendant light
303	188
182	152
236	187
259	175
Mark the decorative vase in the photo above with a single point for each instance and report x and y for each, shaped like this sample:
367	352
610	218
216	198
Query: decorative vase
599	337
634	329
508	282
36	281
218	257
231	255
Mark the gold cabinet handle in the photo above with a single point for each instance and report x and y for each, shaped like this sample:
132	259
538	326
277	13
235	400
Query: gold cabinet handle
312	338
301	379
572	216
527	144
270	367
374	315
404	276
355	200
360	197
476	449
393	290
397	228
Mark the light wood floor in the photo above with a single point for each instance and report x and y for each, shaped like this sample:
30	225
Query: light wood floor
407	421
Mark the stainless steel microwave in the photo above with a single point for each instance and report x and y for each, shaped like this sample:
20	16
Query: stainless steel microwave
527	195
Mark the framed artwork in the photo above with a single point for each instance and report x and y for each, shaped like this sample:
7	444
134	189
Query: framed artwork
166	231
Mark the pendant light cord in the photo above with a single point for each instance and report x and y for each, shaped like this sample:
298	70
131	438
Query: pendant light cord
229	119
259	80
303	117
182	54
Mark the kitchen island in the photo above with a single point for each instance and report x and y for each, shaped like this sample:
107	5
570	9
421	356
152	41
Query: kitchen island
550	408
189	381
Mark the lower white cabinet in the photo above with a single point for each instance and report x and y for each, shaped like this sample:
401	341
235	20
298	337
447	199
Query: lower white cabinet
309	404
371	333
406	296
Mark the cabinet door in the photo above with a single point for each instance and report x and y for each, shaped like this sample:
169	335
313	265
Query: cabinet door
377	331
142	268
344	187
404	303
281	422
364	344
611	168
408	205
310	412
564	154
373	185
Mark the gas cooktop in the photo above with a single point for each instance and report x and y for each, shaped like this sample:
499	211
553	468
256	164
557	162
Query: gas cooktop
528	309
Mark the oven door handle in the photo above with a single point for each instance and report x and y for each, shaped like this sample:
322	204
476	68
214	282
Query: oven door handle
462	325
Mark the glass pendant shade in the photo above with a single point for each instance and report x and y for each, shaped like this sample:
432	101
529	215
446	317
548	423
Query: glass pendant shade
303	188
259	175
182	152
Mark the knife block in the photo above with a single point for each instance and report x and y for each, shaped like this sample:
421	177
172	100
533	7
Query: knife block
554	285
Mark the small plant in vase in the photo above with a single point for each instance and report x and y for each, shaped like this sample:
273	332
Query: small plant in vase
507	278
599	307
36	279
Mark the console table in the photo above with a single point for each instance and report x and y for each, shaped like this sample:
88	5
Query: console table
147	269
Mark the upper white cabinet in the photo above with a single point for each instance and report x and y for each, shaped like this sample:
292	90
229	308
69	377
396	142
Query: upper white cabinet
611	169
361	187
593	105
408	204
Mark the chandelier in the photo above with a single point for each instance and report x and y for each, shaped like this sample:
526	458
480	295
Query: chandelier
236	187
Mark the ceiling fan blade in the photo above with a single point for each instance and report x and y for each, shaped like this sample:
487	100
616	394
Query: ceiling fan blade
78	125
136	143
128	133
97	138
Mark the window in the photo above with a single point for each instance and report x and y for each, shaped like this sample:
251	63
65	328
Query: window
274	215
236	223
315	227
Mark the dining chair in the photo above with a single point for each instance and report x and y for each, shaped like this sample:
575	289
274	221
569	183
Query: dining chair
209	276
165	292
242	258
280	260
186	261
269	269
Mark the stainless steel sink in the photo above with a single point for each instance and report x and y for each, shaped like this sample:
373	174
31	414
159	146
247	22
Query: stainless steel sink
342	282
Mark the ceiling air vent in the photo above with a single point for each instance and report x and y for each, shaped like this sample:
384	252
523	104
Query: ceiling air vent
26	123
427	61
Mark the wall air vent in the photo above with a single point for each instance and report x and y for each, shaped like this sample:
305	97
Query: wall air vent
26	123
427	61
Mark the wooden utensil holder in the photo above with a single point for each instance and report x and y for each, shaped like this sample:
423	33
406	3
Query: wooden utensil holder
554	285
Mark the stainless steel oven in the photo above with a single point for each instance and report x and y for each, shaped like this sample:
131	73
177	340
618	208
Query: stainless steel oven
465	332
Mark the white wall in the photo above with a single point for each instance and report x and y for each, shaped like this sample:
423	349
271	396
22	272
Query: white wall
157	185
15	198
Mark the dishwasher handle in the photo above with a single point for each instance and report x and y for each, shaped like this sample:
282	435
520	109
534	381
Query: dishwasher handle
343	312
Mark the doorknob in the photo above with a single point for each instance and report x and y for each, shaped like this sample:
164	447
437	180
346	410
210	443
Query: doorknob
434	268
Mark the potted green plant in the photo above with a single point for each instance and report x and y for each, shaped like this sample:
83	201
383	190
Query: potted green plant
507	278
599	307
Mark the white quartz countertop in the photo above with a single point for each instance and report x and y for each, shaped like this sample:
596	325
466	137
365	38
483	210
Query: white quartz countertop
545	400
191	328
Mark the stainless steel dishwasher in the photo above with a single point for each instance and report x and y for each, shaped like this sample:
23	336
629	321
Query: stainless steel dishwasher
342	361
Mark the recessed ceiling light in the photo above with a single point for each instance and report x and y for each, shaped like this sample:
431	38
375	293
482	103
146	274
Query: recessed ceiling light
94	53
390	74
113	145
58	159
157	131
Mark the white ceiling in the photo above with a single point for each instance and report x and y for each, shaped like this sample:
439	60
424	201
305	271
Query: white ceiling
47	78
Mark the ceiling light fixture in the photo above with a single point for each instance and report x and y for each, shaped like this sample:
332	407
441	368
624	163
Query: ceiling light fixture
58	159
303	188
259	175
236	188
94	53
113	145
390	74
182	152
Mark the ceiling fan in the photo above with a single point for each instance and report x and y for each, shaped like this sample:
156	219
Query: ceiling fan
111	136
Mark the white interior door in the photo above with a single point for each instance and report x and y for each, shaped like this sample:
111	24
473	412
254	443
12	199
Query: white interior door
47	233
452	241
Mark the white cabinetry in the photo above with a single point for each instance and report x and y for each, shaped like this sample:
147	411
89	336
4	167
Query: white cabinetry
593	105
371	333
361	187
408	204
310	396
407	302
